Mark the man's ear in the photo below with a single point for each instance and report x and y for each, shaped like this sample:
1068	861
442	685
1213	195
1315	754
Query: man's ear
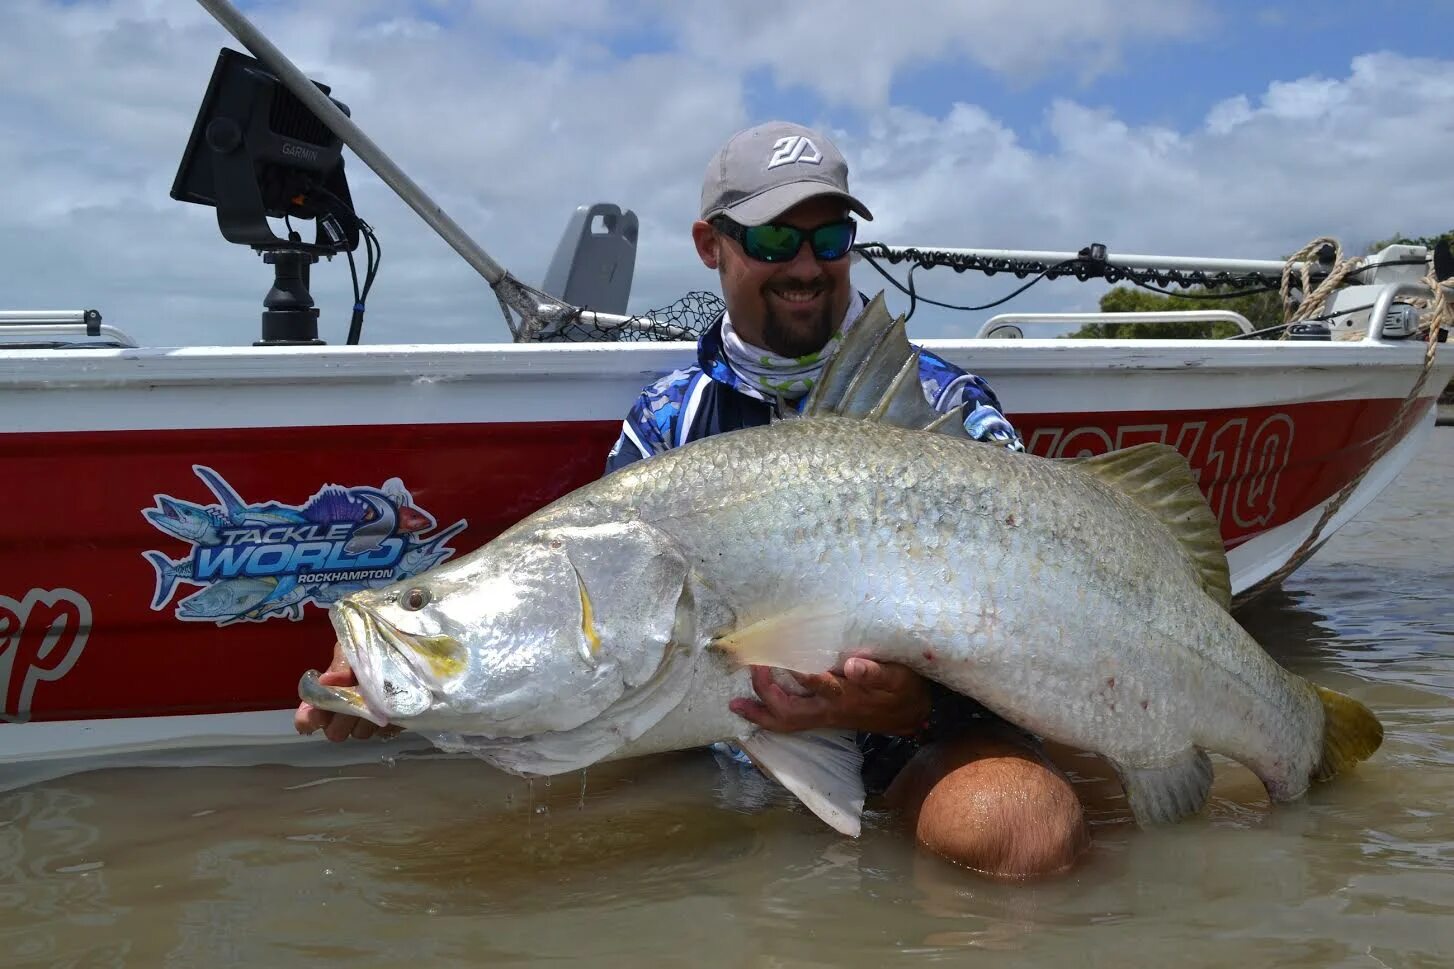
708	244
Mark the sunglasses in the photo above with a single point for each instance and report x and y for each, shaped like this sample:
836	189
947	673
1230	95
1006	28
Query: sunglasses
780	243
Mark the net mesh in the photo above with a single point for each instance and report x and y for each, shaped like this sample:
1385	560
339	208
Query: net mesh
685	319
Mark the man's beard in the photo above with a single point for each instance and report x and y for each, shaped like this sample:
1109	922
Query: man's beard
793	338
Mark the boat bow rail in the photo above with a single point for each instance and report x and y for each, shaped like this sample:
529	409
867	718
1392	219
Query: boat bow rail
59	329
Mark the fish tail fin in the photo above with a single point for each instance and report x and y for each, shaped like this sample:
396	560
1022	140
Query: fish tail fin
1351	733
166	578
874	375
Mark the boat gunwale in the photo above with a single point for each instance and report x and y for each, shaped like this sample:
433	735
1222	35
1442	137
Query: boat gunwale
33	368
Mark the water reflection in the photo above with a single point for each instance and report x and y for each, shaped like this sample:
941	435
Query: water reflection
551	851
671	861
52	881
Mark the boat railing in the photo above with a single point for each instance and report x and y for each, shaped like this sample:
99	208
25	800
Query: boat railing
55	328
1008	325
1394	324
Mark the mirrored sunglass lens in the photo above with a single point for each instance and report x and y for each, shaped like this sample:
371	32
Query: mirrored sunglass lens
773	241
832	241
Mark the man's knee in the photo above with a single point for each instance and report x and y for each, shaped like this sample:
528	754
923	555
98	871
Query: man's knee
1001	811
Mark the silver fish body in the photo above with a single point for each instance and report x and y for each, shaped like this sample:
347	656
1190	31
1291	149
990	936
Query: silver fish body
617	620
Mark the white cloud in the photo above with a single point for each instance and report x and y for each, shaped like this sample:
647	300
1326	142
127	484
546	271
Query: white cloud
511	114
851	52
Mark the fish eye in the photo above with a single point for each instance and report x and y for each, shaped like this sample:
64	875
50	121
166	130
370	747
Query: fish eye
415	599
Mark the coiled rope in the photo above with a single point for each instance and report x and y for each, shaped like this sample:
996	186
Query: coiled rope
1439	315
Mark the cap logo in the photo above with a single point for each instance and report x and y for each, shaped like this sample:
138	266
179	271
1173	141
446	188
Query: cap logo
794	149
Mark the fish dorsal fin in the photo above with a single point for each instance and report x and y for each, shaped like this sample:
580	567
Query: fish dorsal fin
874	375
1158	479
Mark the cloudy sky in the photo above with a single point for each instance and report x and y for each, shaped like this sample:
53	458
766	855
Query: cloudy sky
1174	126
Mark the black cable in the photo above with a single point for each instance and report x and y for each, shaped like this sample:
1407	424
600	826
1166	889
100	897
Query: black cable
1084	268
1242	292
1268	289
915	298
1322	318
1391	262
374	251
374	255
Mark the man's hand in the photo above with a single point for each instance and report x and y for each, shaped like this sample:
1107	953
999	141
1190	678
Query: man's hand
873	697
337	726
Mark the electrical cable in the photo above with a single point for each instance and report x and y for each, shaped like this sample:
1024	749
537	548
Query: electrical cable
374	255
915	298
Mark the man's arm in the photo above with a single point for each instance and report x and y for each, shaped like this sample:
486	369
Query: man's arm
646	431
883	698
984	417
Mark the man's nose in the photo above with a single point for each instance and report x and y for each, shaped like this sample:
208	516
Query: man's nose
803	265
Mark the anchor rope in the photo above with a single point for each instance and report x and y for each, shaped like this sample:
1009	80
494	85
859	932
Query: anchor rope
1440	317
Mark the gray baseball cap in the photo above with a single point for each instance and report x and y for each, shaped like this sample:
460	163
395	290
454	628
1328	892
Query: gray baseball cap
764	171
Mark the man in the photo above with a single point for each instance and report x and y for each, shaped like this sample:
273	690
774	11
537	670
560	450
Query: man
775	225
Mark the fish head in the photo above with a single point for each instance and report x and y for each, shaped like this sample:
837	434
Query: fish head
536	634
411	519
179	519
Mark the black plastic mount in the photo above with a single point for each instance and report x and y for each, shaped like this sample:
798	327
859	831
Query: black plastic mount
255	152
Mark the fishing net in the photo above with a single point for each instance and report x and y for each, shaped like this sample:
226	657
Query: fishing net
685	319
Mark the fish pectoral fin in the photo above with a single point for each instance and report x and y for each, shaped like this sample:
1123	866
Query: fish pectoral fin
810	639
823	768
1162	795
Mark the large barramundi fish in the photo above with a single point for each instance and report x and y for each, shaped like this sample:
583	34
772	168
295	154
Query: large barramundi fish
1084	600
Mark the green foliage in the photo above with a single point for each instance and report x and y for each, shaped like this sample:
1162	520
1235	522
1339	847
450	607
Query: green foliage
1428	242
1261	309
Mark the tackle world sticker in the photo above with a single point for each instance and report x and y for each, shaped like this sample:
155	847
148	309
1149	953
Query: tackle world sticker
255	562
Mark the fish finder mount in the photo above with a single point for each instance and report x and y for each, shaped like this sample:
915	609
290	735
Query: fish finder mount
256	151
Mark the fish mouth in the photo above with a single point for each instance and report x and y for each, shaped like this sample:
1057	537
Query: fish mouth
389	688
336	699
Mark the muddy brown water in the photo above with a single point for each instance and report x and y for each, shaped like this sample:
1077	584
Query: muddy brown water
418	861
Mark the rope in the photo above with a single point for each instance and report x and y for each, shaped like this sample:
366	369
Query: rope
1441	316
1314	298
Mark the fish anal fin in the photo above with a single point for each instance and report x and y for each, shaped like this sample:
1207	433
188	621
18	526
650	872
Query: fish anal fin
807	640
873	375
1162	795
1158	478
822	768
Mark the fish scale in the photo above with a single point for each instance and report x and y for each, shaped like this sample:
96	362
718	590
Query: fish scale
1084	600
1001	627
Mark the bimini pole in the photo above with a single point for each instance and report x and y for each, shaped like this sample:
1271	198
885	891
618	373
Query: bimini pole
537	310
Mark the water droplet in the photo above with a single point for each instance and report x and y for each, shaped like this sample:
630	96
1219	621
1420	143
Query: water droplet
327	871
542	809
